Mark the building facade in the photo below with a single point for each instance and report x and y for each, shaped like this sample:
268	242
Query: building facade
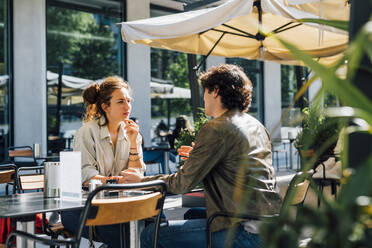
81	39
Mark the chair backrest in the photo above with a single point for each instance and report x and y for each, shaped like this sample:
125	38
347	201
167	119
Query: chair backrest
101	211
30	181
20	151
7	173
22	156
121	210
297	190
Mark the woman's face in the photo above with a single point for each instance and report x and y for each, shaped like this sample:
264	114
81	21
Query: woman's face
120	106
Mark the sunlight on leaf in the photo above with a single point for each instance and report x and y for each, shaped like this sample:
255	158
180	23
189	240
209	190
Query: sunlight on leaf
343	25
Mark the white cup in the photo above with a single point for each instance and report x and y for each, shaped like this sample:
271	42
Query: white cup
52	179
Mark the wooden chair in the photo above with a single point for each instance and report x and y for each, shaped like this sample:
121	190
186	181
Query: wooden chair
295	196
8	174
107	211
33	181
22	156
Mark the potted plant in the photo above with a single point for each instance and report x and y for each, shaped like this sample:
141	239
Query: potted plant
318	136
186	137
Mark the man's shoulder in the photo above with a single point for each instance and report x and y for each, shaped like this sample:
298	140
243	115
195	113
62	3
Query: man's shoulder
235	117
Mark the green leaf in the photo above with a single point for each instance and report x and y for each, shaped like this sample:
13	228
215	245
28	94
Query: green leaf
343	25
358	184
304	88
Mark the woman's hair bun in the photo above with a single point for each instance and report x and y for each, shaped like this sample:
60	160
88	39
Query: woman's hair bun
90	94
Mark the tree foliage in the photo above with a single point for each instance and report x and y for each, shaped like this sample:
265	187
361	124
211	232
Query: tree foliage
172	66
82	42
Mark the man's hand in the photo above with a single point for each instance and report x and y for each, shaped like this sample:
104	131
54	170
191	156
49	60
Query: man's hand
131	176
184	151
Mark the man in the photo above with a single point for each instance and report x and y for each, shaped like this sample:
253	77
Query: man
232	157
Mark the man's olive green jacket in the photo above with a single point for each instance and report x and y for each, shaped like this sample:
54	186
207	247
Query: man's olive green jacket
232	157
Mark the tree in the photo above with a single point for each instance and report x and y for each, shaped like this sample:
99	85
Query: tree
177	71
170	65
81	42
101	62
84	43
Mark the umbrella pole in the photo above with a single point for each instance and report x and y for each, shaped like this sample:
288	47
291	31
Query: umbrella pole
59	99
169	111
300	79
194	87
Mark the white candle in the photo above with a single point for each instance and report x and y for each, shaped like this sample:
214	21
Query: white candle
291	135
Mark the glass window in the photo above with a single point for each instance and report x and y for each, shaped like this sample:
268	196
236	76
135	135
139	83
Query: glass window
169	69
83	46
4	78
254	70
290	86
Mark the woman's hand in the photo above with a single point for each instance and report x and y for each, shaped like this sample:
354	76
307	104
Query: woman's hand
120	180
132	130
184	151
131	176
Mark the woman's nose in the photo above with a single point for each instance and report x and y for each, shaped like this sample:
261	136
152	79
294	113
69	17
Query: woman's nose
127	106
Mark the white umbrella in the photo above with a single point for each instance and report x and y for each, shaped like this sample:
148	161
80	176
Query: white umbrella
68	82
232	30
164	89
175	93
73	86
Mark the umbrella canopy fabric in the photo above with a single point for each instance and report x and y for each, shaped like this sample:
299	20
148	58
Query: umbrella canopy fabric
4	79
175	93
164	89
232	30
327	9
71	86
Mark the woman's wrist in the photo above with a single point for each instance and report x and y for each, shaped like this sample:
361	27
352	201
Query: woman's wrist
134	157
133	150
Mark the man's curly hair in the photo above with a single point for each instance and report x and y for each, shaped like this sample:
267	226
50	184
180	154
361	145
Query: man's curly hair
232	83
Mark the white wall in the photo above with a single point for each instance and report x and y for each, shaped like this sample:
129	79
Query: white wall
273	98
139	74
29	46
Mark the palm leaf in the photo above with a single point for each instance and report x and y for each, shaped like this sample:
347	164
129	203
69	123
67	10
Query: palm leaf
343	25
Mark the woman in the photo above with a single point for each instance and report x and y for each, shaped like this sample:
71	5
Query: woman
109	143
